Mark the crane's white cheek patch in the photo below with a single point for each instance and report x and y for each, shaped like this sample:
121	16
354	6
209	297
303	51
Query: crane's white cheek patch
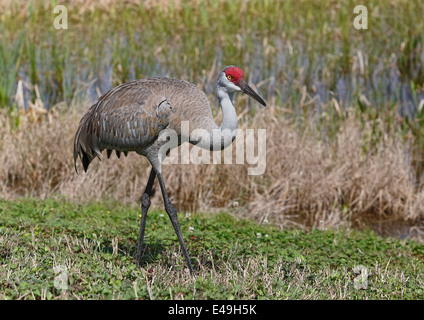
234	87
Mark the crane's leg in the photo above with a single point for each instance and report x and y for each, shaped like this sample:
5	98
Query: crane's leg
172	213
145	204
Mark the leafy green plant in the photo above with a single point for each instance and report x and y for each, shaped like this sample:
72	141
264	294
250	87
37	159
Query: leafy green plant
59	250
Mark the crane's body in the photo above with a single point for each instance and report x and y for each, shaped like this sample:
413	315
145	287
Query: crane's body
130	117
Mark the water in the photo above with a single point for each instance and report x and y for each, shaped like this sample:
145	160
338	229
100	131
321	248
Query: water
287	70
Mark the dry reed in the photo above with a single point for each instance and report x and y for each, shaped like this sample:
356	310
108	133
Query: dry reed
308	182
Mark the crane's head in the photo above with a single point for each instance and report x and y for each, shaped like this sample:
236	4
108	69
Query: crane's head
231	79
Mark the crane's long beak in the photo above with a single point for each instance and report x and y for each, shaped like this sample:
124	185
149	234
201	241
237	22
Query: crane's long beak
249	91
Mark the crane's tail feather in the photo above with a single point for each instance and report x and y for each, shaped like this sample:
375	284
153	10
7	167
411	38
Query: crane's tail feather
84	147
86	156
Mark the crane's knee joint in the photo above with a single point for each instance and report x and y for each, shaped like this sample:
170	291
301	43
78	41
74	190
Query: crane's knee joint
171	210
145	201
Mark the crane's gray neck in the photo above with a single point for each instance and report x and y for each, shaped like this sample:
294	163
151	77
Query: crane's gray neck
229	115
224	135
214	137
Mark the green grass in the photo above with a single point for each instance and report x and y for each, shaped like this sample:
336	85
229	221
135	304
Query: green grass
92	247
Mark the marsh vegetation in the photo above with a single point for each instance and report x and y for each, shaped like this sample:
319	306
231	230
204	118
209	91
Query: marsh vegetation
344	119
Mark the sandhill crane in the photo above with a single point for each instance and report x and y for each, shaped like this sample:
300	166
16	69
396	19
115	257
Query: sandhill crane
130	117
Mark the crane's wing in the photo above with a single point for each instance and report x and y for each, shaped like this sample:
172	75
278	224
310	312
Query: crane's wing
126	118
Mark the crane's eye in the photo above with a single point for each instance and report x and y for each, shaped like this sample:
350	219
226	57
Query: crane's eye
229	77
